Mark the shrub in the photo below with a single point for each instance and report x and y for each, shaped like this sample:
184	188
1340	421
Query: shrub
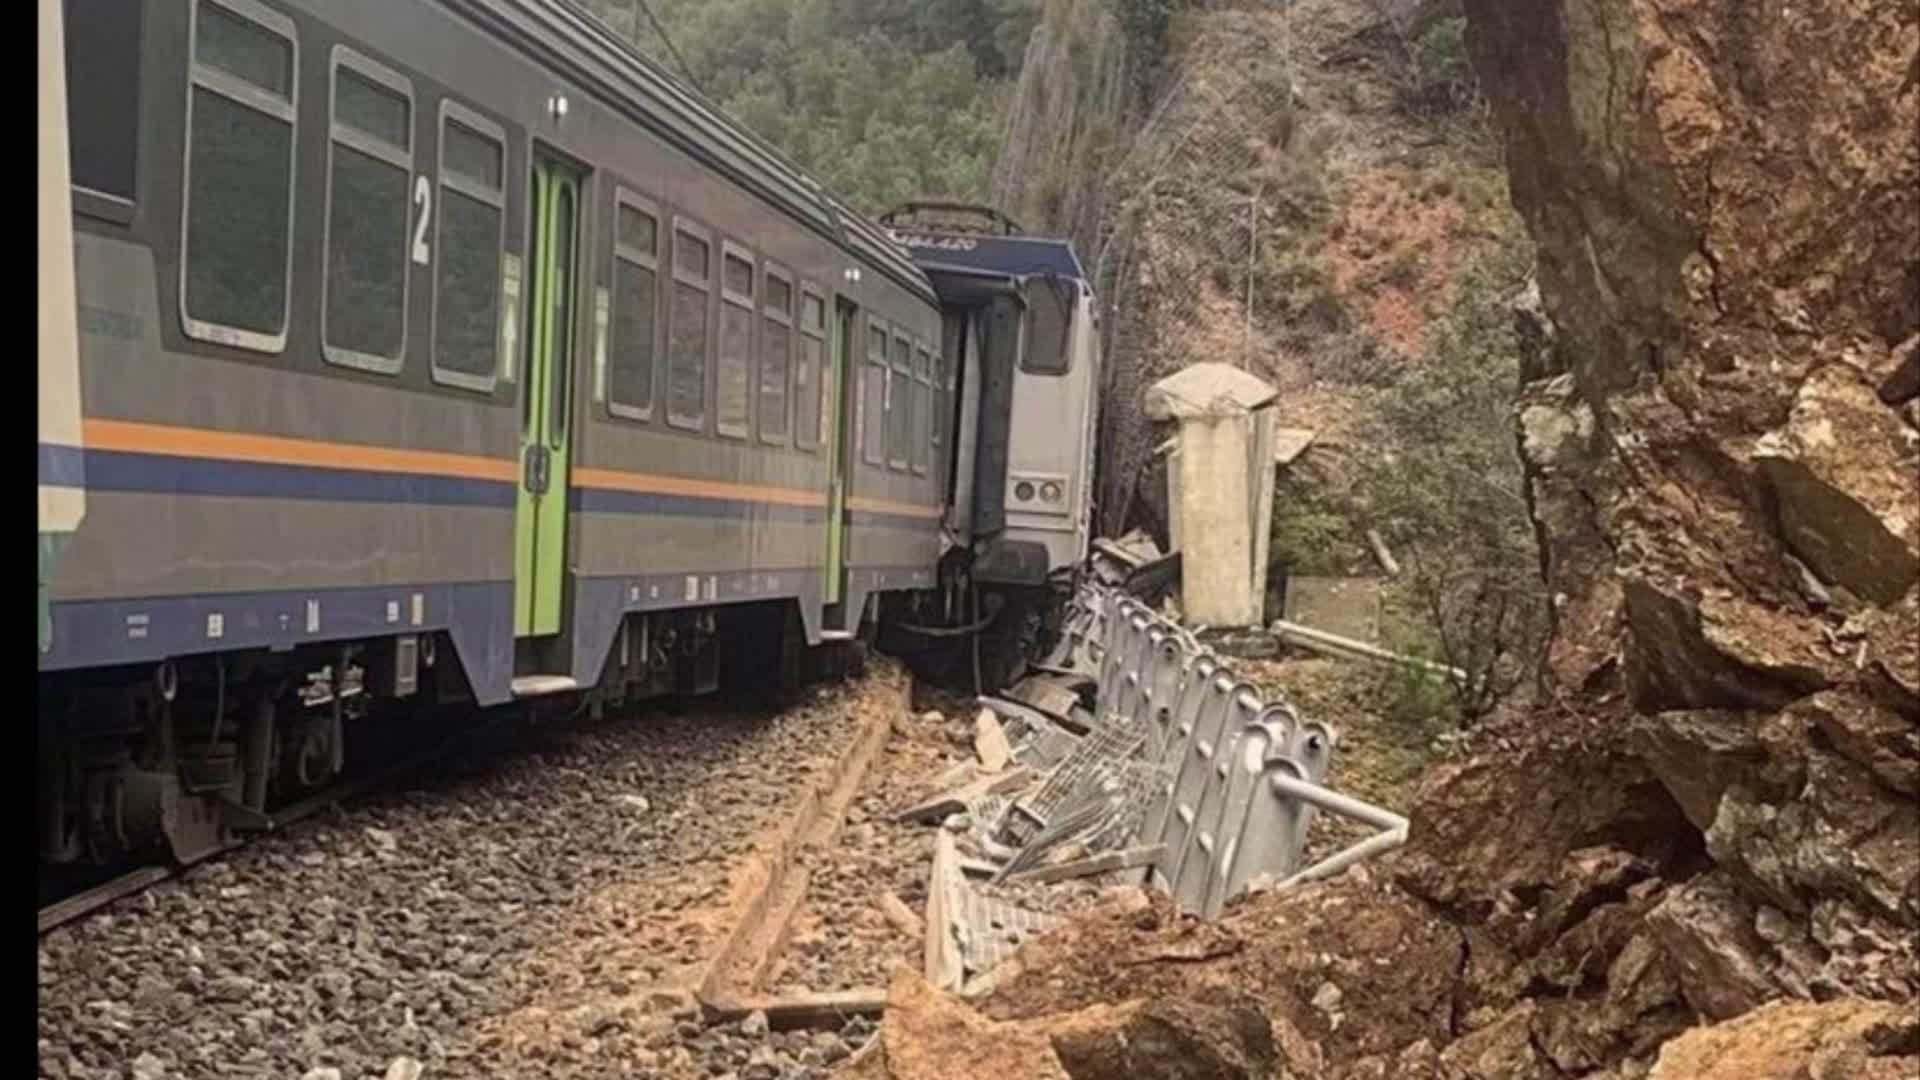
1438	77
1451	498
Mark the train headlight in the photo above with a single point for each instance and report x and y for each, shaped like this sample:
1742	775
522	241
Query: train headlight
1023	491
1050	492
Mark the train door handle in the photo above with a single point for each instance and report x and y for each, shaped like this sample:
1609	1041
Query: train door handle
539	472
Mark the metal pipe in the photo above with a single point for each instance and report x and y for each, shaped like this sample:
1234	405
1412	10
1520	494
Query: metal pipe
1333	864
1334	802
1308	636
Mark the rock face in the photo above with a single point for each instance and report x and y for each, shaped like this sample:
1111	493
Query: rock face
1721	807
1726	200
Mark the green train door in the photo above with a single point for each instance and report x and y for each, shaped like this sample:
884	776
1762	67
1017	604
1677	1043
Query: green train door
540	521
840	452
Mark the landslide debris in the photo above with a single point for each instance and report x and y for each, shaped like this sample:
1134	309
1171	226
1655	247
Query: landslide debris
1699	855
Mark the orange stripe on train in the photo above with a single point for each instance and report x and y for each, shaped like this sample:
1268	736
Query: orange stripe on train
132	436
900	509
141	438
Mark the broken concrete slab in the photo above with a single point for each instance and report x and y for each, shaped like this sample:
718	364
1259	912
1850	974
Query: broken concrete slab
940	954
1010	710
957	800
1290	442
1128	859
1048	693
990	742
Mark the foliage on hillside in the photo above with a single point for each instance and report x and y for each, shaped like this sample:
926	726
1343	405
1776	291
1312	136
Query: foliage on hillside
884	100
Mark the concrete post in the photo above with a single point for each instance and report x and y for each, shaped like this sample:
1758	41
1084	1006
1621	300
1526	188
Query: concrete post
1216	577
1220	489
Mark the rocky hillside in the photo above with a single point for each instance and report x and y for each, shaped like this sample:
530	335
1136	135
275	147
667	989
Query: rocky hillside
1698	855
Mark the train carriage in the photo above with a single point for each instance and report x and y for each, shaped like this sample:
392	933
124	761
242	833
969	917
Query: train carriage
448	351
446	346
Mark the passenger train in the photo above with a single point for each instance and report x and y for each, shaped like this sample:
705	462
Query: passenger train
409	352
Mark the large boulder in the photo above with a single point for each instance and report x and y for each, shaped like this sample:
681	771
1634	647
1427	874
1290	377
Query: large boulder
1849	1038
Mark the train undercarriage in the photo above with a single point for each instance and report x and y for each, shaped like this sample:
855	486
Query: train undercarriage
182	759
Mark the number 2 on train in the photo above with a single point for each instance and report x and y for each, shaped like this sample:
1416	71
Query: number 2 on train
423	199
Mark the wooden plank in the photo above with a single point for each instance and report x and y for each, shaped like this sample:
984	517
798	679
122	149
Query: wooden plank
1145	855
825	1010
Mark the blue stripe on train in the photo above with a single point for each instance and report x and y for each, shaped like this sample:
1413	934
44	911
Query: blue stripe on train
116	470
608	501
62	466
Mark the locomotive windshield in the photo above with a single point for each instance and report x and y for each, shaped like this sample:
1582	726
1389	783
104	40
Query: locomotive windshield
1049	330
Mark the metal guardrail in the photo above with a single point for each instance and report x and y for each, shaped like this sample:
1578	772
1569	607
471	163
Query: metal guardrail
1237	780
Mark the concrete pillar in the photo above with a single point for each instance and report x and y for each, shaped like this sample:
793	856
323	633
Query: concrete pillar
1220	489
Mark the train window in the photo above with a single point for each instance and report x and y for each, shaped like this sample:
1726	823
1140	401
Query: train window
937	423
733	399
809	374
776	352
369	205
1049	326
636	303
687	326
237	233
873	397
103	94
922	408
900	405
467	327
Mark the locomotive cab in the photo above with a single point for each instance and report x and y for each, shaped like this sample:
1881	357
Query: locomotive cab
1021	349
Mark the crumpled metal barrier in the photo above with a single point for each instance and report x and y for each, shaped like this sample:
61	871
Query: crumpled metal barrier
1239	779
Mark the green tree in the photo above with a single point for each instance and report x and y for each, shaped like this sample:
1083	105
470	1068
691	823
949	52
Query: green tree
884	100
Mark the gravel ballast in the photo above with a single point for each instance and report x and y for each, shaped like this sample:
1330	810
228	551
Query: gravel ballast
522	910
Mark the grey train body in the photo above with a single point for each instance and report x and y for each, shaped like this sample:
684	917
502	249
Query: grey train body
290	511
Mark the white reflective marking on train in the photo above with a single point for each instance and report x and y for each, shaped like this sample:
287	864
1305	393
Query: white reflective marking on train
393	611
509	312
419	608
216	624
313	616
601	303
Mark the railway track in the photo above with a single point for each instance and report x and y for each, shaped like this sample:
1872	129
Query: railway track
92	899
543	906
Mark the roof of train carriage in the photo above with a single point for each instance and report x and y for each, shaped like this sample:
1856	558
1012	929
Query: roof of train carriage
581	47
972	268
998	256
